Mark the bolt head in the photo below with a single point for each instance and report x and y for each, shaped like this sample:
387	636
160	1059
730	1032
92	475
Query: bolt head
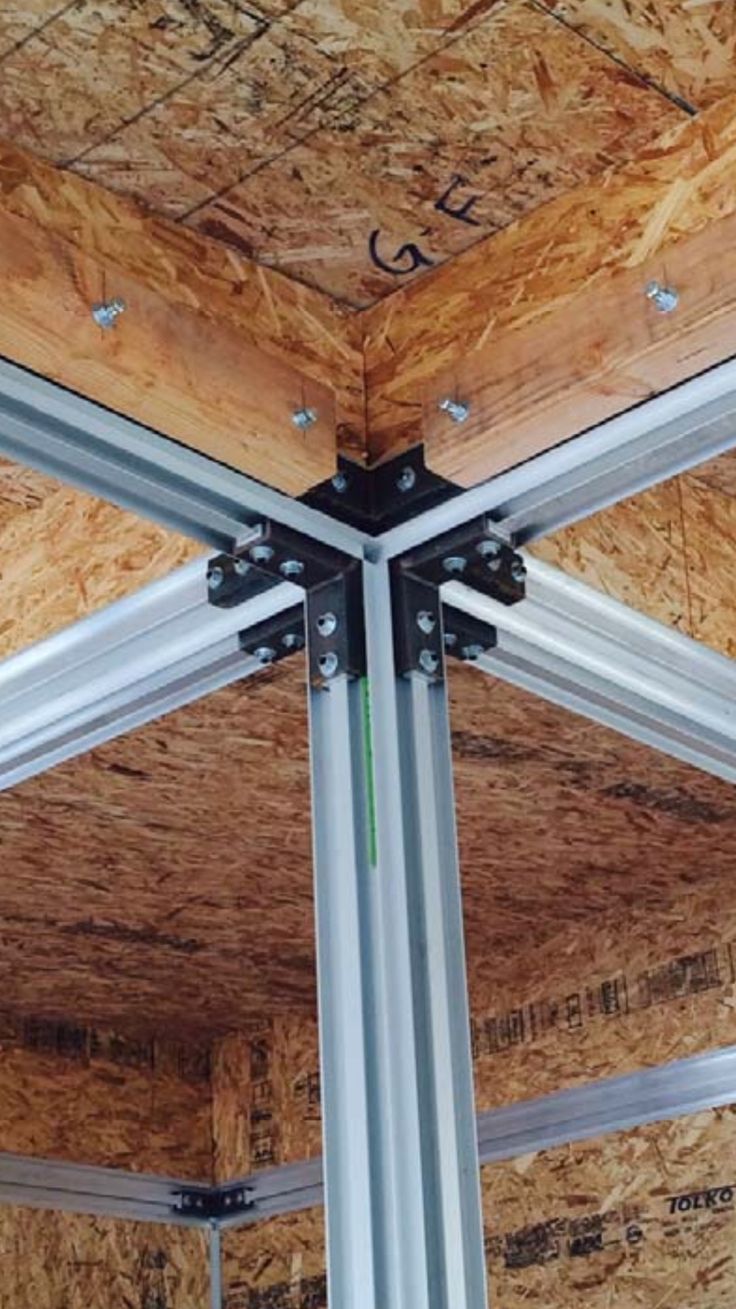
406	480
261	554
426	621
291	568
472	651
329	664
106	314
454	564
518	570
291	641
450	639
241	567
428	662
664	298
327	624
489	548
457	410
340	483
265	654
304	418
215	578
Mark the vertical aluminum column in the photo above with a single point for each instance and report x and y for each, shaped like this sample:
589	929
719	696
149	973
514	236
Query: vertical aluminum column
401	1167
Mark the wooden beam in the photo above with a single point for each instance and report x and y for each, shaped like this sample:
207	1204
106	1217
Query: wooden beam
211	349
545	328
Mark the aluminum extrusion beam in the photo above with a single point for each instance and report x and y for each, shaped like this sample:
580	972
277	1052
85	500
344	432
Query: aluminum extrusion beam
48	1184
579	648
401	1169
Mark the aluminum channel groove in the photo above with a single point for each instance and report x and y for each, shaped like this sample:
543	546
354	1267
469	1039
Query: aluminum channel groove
48	1184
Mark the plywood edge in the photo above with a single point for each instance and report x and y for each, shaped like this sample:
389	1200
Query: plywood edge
545	328
212	350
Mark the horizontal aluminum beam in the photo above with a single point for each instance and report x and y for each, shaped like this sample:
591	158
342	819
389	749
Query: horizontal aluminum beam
142	657
595	1109
585	651
664	436
76	1188
96	450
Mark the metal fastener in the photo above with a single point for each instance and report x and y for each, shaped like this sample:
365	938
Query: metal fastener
489	548
241	567
291	568
457	410
215	578
265	654
329	664
107	313
664	298
518	570
340	483
292	641
406	479
426	621
472	651
261	554
454	564
327	624
304	418
428	661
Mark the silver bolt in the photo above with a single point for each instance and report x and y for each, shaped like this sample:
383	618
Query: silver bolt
664	298
261	554
428	661
426	621
454	564
329	664
518	570
450	640
291	641
265	654
457	410
215	578
406	479
291	568
472	651
489	548
327	624
304	418
241	567
106	313
340	483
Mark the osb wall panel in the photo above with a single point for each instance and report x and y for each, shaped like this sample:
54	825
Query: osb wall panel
66	554
669	552
68	1261
507	117
687	48
95	1096
641	1218
352	117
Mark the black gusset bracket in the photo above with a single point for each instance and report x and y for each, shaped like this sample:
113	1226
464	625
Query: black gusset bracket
374	500
275	638
465	637
471	554
216	1203
331	580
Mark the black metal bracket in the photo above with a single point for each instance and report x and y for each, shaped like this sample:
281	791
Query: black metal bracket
275	638
471	554
216	1203
333	586
374	500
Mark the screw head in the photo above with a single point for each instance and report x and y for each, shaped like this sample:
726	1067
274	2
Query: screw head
428	661
457	410
327	624
107	313
489	548
215	578
329	664
291	641
261	554
340	483
304	418
472	651
450	639
518	570
426	621
454	564
664	298
265	654
406	480
291	568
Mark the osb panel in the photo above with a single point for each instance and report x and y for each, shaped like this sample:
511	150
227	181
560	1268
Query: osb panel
93	1096
499	121
641	1218
687	48
669	552
54	1260
66	555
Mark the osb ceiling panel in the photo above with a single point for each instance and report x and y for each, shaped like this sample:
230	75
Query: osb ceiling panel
65	554
669	552
164	881
300	129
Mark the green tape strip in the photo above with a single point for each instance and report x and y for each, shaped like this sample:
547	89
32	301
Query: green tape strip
365	697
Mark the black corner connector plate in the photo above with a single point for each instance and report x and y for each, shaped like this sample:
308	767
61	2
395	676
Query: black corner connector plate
372	501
